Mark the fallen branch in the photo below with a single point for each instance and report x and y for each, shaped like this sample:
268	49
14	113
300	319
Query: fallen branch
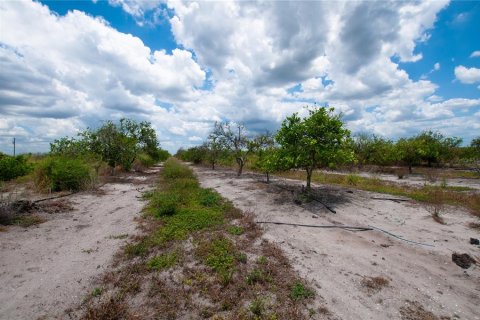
51	198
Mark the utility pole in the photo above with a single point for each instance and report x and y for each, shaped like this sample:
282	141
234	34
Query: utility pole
14	147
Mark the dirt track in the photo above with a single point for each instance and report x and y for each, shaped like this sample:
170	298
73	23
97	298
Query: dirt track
421	279
48	268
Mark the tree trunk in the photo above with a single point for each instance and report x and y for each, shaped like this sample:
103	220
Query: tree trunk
240	163
309	177
213	165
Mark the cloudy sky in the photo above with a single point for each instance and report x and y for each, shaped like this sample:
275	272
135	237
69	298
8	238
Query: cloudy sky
391	68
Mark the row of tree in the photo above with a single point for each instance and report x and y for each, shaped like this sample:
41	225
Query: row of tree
321	140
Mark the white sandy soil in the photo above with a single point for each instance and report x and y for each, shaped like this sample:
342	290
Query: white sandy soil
336	260
48	268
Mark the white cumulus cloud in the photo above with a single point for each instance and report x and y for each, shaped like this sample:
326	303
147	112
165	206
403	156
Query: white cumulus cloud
467	75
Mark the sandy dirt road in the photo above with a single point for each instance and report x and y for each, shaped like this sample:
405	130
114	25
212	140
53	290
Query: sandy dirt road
419	279
48	268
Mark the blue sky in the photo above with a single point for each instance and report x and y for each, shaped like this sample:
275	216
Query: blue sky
392	68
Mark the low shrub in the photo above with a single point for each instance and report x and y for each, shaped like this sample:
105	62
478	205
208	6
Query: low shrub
57	174
13	167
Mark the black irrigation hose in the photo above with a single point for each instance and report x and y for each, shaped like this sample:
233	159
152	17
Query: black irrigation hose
403	239
348	228
390	199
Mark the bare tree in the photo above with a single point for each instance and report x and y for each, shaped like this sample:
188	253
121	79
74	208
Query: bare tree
232	137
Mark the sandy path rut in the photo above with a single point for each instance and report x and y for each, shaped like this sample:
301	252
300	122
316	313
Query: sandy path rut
337	261
48	268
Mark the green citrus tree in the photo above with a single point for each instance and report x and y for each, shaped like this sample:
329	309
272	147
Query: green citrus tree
316	141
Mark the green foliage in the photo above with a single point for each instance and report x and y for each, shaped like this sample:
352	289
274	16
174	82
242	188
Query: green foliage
235	230
13	167
59	173
145	159
138	249
300	292
314	141
410	151
430	147
161	155
475	144
241	257
69	147
220	256
97	292
183	206
268	159
162	262
215	149
436	148
114	143
257	307
373	149
209	198
196	155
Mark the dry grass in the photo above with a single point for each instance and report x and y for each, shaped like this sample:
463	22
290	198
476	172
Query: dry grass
474	225
374	284
415	311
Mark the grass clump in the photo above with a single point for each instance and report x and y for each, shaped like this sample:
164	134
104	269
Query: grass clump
162	262
235	230
241	257
137	249
300	292
257	276
97	292
257	306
